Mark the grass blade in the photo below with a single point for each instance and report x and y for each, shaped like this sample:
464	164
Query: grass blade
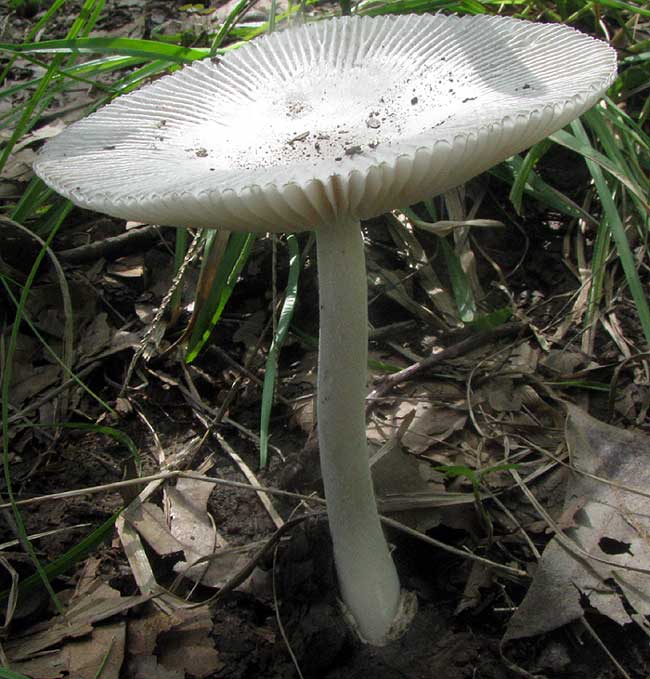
615	225
538	189
270	372
104	430
460	283
86	18
4	409
234	258
521	177
585	149
68	559
132	47
8	674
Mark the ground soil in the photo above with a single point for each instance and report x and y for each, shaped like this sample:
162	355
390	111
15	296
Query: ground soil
261	633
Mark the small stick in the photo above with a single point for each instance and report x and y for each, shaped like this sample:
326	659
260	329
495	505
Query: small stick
127	243
447	354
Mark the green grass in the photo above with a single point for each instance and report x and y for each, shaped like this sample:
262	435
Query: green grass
613	141
270	373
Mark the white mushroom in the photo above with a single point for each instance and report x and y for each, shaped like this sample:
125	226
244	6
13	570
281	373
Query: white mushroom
315	128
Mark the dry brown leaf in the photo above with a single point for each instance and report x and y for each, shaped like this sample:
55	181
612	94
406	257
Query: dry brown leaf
86	645
432	425
191	533
303	415
129	268
502	395
161	645
143	631
188	647
96	337
26	646
480	577
439	413
104	649
132	29
31	380
261	8
524	358
248	333
396	474
192	527
148	519
563	362
40	134
188	512
52	665
19	166
147	667
612	525
303	382
140	565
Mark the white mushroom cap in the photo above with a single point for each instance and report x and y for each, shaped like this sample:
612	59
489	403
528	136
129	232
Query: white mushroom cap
342	118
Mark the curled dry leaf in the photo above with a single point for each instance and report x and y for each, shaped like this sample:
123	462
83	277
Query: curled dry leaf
608	521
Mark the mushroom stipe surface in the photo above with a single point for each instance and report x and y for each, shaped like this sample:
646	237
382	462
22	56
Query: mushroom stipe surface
315	128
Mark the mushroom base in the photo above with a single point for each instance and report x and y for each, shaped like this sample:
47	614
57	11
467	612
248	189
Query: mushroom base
367	576
406	611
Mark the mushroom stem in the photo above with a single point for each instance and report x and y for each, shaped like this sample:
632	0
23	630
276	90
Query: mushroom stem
367	576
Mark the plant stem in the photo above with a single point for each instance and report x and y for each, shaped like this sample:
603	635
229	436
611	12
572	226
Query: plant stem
367	576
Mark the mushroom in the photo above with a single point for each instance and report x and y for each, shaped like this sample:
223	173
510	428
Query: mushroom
316	128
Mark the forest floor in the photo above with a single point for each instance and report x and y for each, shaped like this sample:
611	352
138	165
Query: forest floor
476	453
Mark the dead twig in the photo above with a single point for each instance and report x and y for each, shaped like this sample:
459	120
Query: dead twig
454	351
261	555
127	243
